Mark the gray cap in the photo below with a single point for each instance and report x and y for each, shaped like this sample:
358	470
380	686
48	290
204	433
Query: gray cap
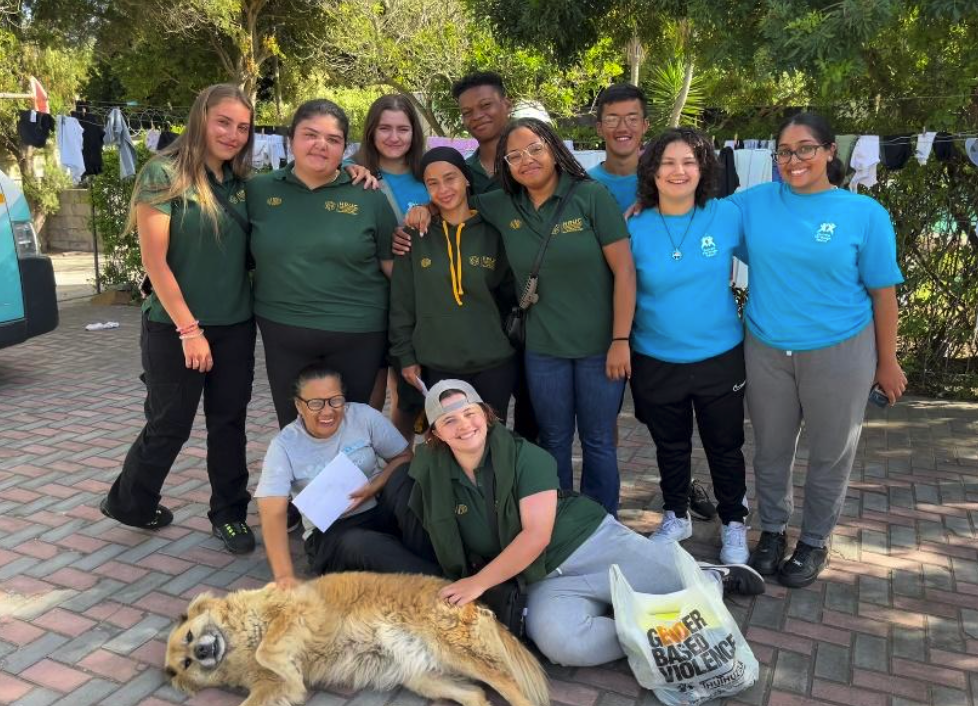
433	408
971	147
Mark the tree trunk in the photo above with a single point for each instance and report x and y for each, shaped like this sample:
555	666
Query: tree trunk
677	108
636	55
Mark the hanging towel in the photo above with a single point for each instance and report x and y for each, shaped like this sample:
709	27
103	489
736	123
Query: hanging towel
753	167
278	154
865	157
71	140
117	135
944	148
925	143
844	144
152	140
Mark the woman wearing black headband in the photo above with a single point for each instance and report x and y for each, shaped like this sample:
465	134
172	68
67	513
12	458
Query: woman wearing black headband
446	293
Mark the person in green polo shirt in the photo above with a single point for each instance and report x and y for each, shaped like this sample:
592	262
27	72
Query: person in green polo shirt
560	544
198	333
446	293
322	250
485	109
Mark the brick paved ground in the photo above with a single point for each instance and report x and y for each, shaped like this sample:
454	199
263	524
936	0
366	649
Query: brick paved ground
85	603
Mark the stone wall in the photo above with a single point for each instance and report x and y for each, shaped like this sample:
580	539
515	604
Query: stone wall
70	228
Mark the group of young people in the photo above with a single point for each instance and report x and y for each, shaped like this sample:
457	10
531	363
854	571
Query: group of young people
644	300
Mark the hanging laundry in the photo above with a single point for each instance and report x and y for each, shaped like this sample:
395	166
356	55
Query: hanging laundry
152	139
728	173
753	167
278	153
925	143
261	153
34	128
944	148
751	144
93	140
40	96
167	138
117	135
844	145
971	148
865	157
71	139
895	151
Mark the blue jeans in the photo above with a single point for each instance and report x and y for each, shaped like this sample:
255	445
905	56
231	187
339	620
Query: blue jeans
569	391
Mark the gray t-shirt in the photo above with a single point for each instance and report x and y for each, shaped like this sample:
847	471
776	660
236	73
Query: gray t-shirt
294	457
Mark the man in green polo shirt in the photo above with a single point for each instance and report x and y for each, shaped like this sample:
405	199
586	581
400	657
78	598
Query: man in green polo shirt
485	111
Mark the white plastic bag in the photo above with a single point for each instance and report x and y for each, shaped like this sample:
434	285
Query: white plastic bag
684	646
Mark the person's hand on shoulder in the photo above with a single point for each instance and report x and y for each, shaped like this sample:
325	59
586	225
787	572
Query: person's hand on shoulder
361	173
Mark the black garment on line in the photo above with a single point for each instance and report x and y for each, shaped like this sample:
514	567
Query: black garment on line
944	148
895	151
729	181
93	140
34	133
167	138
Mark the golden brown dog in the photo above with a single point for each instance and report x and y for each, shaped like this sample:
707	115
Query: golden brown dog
359	630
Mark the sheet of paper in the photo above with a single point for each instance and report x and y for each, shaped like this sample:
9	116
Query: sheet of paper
328	494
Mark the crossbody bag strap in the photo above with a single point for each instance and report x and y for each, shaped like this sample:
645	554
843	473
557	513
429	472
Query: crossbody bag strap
529	290
385	187
229	209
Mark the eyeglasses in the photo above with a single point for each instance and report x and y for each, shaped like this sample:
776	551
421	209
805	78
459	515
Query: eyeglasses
516	156
613	121
803	153
317	403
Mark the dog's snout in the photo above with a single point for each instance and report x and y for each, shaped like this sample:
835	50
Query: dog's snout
203	651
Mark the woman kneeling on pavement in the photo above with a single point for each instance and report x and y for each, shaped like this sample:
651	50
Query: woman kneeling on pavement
561	544
378	531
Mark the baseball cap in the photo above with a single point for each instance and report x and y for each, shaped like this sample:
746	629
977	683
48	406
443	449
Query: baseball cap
971	147
433	407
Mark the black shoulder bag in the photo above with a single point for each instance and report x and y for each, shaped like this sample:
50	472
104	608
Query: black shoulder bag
515	324
508	599
146	286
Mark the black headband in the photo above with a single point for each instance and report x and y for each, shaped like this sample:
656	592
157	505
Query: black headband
446	154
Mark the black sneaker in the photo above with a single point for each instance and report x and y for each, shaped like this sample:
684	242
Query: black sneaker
237	537
699	502
161	518
768	553
293	518
804	566
737	579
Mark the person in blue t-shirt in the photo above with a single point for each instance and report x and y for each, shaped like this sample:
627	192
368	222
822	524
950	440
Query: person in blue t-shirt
391	148
687	338
821	331
622	123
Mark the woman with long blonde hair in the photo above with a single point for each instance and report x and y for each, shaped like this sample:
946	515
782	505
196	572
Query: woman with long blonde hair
198	330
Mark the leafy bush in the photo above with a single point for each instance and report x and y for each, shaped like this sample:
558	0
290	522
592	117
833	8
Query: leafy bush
122	266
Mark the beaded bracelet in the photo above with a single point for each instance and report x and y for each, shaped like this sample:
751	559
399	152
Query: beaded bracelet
193	334
188	328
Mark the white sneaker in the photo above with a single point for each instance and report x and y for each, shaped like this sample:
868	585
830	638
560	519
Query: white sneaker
734	537
673	529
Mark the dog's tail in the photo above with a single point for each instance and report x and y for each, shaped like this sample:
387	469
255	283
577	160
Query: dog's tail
521	664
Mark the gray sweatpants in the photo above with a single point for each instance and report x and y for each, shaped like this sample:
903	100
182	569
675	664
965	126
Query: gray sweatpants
828	389
568	612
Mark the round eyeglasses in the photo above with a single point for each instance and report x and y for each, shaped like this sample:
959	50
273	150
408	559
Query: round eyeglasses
317	403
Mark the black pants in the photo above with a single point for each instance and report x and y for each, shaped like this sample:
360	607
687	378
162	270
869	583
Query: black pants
666	394
524	418
495	385
288	349
388	538
173	392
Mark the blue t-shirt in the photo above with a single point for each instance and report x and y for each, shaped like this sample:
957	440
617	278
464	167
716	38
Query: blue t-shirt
408	191
623	188
813	258
685	310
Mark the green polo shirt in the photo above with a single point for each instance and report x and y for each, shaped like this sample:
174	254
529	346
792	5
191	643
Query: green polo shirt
577	516
318	252
481	181
209	267
573	318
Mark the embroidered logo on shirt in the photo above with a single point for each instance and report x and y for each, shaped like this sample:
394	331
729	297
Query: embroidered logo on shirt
825	232
330	205
274	201
426	262
707	246
238	197
574	226
461	509
485	261
351	209
515	224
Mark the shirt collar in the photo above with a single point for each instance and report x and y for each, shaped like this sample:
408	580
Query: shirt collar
563	184
287	174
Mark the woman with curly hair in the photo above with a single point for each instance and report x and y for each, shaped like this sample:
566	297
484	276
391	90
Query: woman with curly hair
687	339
